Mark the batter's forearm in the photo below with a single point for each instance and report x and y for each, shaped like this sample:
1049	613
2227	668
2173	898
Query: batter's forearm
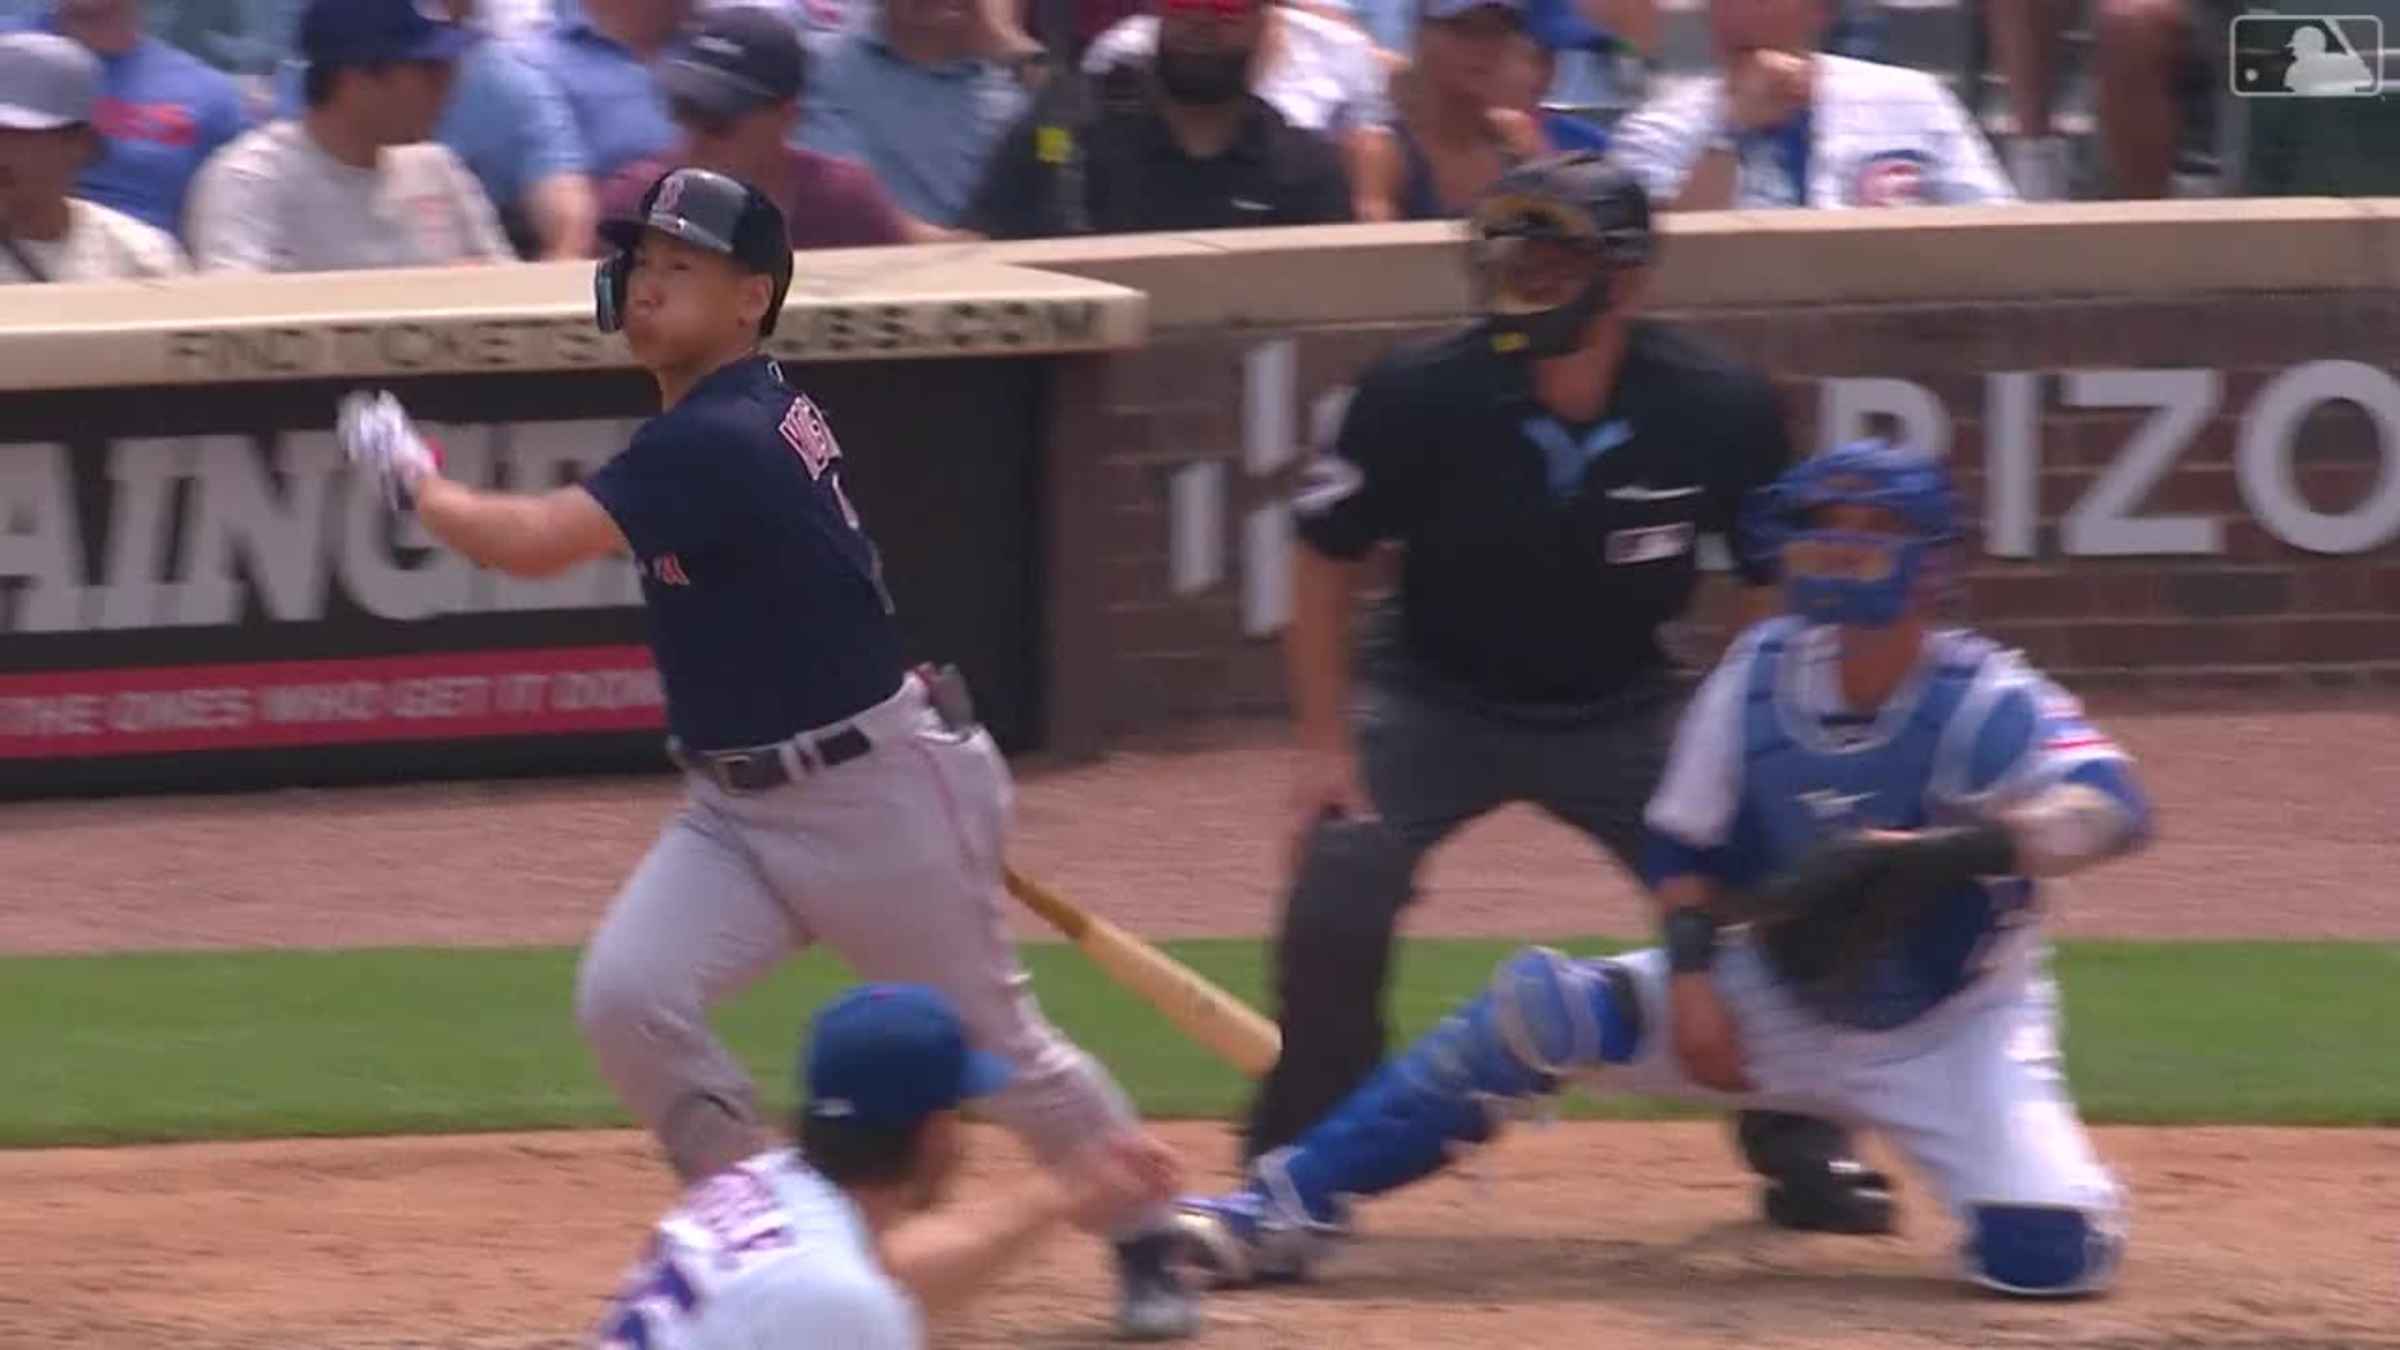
945	1259
500	530
1317	647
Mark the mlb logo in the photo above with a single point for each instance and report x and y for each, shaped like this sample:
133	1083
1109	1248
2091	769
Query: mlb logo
2306	56
1894	178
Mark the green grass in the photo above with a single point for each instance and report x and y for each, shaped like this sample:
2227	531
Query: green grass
171	1046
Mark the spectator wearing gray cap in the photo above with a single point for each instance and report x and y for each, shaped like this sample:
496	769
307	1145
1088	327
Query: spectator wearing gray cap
48	88
354	182
733	88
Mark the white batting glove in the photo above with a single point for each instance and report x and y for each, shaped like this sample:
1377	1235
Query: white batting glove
377	436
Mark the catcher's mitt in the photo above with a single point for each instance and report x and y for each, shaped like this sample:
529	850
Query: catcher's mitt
1824	920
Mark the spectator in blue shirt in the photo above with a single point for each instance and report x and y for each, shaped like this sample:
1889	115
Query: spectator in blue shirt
909	99
512	125
599	55
161	113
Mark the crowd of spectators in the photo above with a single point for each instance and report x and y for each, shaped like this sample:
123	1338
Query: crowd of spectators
141	138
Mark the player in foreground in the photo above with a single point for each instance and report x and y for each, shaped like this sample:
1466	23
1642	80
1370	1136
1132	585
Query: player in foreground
1882	799
788	1247
834	796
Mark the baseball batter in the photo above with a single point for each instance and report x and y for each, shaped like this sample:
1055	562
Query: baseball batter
834	796
1883	798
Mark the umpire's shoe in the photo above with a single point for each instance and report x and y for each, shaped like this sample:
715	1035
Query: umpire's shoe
1153	1304
1815	1184
1841	1196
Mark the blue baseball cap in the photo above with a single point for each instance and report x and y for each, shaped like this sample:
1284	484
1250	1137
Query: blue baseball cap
357	32
890	1055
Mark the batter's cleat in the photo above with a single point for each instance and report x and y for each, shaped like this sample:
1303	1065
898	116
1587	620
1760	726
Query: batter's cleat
1152	1302
1230	1241
1844	1197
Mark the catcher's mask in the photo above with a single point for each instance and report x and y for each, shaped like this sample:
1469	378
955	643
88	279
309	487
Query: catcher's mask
1543	244
1858	578
706	210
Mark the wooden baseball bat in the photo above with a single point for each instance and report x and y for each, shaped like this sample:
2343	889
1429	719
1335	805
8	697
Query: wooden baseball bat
1228	1028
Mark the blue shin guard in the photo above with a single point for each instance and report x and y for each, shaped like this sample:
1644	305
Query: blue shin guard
1544	1015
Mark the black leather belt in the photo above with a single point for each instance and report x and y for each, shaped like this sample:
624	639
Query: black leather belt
764	767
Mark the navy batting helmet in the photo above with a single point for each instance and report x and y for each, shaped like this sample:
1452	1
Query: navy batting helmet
1579	201
706	210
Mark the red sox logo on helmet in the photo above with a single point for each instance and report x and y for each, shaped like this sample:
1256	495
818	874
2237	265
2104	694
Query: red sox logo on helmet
670	195
1892	178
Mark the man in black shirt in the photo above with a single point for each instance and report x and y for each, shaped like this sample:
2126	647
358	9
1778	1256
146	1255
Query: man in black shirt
1183	145
1547	472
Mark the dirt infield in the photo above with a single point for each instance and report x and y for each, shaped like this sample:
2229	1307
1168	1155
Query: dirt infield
1584	1235
1599	1236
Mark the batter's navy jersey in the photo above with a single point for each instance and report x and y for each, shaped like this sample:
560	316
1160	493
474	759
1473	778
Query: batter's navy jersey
768	614
1541	558
1771	759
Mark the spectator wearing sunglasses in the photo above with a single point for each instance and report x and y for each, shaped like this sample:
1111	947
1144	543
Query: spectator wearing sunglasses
733	88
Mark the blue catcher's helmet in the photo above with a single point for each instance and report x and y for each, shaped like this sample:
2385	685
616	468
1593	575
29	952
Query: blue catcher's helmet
1843	576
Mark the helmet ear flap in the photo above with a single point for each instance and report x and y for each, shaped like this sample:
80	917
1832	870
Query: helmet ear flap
609	279
783	289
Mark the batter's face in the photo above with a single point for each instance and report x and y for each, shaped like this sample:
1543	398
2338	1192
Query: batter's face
687	307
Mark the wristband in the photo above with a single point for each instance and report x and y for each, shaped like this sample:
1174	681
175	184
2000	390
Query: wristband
1691	935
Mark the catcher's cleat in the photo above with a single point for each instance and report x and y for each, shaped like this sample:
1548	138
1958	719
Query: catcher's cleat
1842	1197
1228	1241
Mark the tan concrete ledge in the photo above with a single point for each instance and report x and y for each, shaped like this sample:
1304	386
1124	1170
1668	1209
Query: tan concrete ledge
1102	293
885	304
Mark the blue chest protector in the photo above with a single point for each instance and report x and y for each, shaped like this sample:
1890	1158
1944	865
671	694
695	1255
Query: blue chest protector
1796	793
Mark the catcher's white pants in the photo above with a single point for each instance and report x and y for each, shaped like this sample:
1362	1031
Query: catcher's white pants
1974	1094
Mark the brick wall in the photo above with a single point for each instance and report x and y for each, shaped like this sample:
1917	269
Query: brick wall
2257	614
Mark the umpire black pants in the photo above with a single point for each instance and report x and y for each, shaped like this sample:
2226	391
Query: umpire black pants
1432	761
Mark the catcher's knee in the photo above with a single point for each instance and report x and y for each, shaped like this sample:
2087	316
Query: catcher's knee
2043	1250
1558	1014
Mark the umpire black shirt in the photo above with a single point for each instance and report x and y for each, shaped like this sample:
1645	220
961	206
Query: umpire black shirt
1137	177
1540	558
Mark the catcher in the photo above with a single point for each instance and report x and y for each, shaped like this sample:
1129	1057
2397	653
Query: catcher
1847	851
